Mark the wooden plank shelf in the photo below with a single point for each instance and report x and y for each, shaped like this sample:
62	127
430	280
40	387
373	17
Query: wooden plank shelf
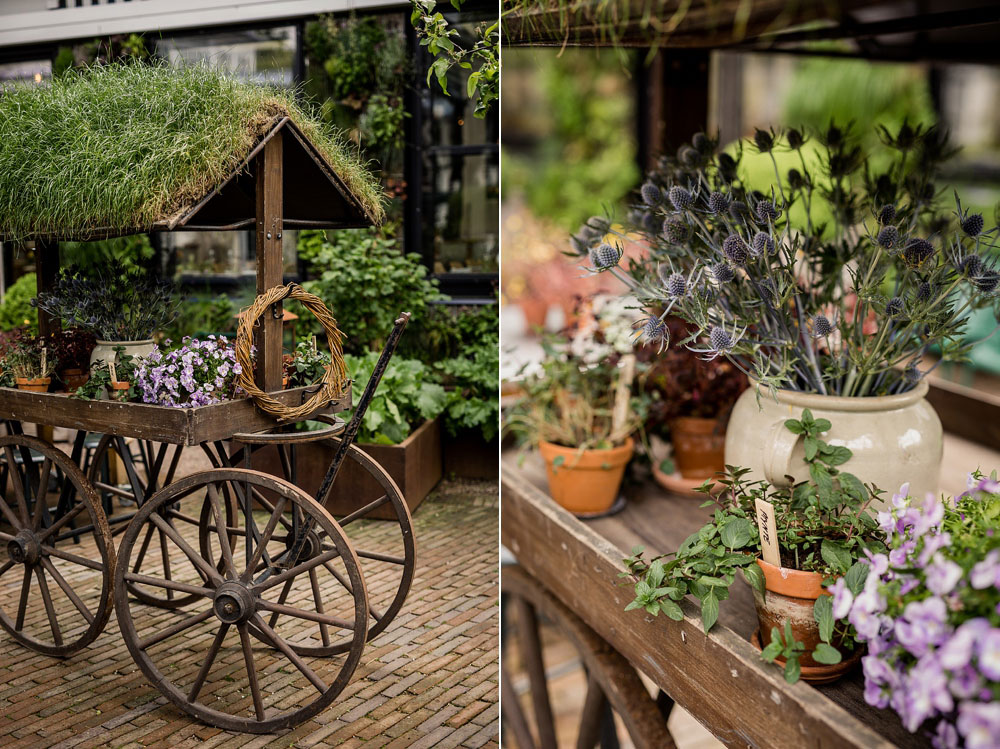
181	426
719	678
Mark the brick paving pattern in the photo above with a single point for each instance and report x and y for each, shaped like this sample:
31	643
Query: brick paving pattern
429	680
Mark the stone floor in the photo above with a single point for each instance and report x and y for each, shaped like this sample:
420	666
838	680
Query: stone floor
429	680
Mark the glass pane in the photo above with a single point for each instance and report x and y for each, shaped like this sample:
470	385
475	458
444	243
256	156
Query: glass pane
461	198
25	72
264	55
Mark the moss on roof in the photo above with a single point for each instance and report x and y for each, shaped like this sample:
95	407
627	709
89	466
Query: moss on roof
123	146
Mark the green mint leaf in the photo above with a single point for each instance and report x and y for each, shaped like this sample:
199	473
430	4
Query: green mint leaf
823	614
826	654
709	610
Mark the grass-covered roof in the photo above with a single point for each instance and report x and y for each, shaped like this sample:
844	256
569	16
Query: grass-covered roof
122	147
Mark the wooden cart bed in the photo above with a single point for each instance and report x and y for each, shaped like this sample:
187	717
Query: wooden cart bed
718	678
180	426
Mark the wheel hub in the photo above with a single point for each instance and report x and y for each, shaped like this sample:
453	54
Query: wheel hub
311	547
233	602
24	548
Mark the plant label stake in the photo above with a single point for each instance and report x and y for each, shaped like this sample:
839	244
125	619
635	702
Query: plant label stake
620	413
768	532
113	371
44	359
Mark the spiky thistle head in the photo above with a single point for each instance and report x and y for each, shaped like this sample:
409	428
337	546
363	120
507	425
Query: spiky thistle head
679	197
987	282
763	140
605	256
821	326
718	202
723	272
887	214
651	194
763	244
735	249
970	265
888	237
917	252
675	230
895	307
973	224
923	291
796	138
676	285
795	179
652	330
766	210
727	166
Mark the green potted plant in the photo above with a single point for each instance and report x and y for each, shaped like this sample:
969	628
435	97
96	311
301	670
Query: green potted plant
31	364
122	310
580	415
826	286
72	349
824	530
689	404
119	385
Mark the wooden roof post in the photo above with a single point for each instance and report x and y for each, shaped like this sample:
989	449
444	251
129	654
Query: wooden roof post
46	271
269	262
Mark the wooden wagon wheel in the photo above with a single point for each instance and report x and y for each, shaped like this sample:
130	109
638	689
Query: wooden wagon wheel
56	564
387	575
255	689
611	680
156	468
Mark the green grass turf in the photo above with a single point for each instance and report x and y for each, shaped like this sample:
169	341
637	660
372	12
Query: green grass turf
123	146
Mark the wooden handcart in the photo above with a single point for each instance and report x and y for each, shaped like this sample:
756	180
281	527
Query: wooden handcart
238	572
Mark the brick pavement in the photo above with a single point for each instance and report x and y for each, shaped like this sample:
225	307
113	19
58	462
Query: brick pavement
429	680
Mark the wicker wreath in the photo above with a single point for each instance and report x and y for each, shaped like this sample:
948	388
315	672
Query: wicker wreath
332	384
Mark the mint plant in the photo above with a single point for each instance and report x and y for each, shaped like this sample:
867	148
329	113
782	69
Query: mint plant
824	525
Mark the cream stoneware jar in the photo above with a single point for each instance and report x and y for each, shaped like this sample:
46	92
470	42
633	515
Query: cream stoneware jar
894	438
105	350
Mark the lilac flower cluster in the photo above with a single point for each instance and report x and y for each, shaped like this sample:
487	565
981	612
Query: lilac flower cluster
930	614
196	374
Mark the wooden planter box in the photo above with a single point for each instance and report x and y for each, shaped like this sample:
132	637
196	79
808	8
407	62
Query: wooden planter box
467	455
414	464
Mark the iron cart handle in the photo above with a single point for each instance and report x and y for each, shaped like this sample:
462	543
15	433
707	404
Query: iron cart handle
351	430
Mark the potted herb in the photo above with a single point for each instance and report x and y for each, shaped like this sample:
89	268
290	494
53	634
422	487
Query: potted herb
580	415
306	366
690	402
111	380
31	365
824	532
930	615
826	286
197	373
72	349
120	309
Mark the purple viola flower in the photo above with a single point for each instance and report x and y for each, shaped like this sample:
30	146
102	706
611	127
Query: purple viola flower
988	650
979	724
864	614
986	574
945	737
957	651
842	598
930	516
942	575
922	625
965	683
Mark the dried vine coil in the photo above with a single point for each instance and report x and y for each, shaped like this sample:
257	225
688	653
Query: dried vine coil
332	384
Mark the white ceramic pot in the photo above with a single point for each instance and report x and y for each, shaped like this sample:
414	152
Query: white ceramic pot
105	350
894	438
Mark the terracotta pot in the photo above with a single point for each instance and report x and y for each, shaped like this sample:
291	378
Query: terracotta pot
585	482
893	438
119	391
105	350
75	378
790	597
34	384
699	446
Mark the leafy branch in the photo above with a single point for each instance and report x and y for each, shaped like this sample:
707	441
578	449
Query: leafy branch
482	58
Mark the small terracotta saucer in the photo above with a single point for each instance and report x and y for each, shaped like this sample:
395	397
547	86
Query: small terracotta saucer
677	484
816	674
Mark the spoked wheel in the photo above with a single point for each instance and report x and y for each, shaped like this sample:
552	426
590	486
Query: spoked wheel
250	679
56	563
118	470
613	687
387	552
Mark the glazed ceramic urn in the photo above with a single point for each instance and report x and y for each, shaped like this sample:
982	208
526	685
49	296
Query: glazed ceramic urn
894	439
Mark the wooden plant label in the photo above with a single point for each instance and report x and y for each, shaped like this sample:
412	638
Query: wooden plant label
768	532
44	359
623	392
114	373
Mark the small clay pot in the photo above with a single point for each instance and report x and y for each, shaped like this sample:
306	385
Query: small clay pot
790	597
119	391
34	385
75	378
699	446
585	482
